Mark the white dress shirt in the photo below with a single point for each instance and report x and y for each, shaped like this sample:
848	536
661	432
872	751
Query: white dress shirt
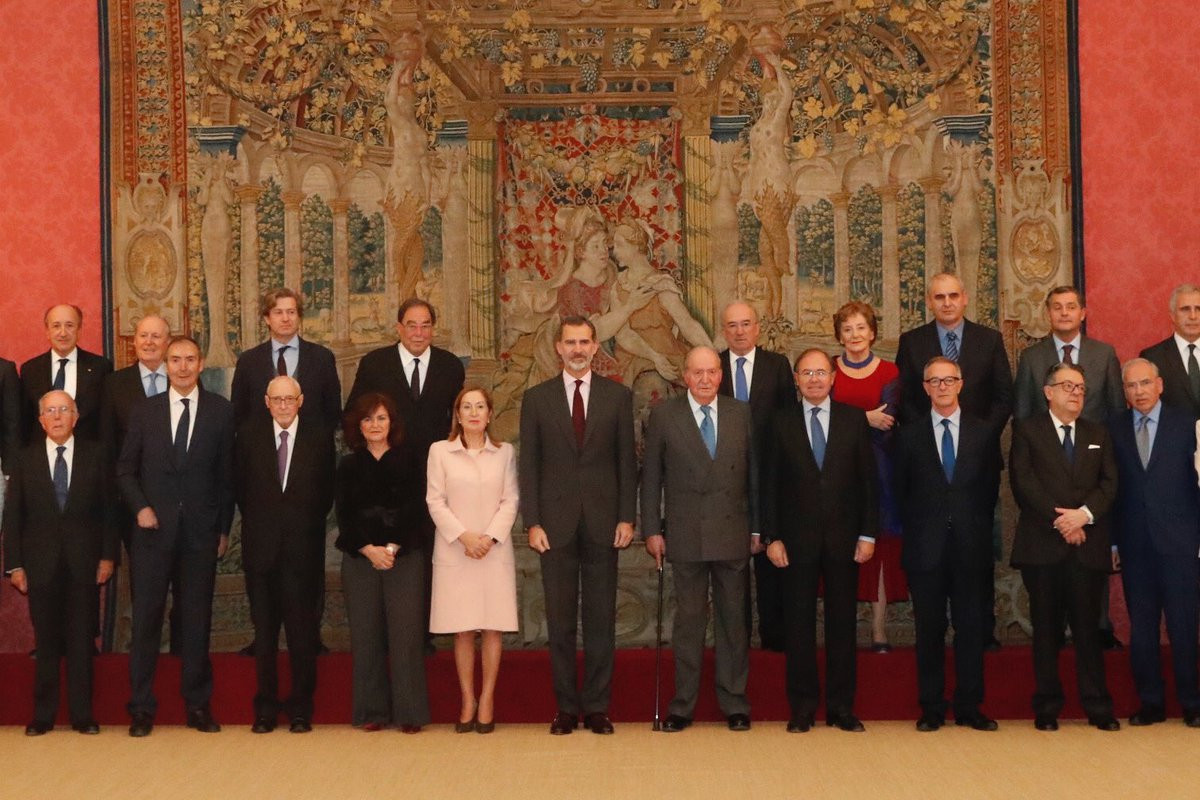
585	389
291	448
71	374
68	454
406	359
177	410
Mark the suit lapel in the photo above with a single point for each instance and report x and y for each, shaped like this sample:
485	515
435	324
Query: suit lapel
686	421
560	410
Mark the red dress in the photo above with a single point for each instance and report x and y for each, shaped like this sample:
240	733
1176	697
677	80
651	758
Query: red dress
880	387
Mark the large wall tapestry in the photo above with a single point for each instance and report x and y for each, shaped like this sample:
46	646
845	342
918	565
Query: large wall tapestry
641	162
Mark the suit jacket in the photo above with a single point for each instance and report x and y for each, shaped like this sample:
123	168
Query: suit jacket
563	484
1105	395
123	391
823	510
36	380
987	390
711	504
10	413
772	387
1171	367
1158	506
37	533
946	521
1043	479
428	419
316	372
193	500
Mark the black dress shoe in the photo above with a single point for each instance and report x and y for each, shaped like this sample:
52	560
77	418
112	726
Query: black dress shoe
802	724
598	722
563	723
1148	715
141	726
881	647
674	723
300	725
976	722
930	722
1045	722
1109	641
201	719
738	722
89	728
37	728
247	651
263	724
1191	717
1108	723
845	722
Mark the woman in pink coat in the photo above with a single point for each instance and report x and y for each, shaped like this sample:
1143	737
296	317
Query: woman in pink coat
472	498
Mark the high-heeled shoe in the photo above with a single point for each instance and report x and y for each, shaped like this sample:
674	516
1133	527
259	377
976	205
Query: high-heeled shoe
465	727
485	727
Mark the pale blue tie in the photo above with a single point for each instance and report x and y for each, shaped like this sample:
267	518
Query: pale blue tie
818	439
153	376
740	390
708	431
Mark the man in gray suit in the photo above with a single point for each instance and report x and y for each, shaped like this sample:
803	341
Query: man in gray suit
700	464
578	500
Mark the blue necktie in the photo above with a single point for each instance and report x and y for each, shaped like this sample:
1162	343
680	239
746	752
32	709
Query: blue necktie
708	432
60	378
740	390
60	478
1068	445
952	346
818	439
181	432
947	451
153	376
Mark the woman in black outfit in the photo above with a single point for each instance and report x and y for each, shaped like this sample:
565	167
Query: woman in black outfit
379	492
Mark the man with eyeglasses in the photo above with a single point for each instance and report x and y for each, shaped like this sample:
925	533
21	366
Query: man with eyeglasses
1064	478
820	514
946	479
284	470
1157	539
1178	356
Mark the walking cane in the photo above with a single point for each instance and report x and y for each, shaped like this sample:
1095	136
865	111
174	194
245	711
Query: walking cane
658	652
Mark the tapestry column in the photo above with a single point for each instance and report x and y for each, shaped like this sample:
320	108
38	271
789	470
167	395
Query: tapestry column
481	229
341	270
456	286
932	187
698	153
888	194
248	200
841	247
293	254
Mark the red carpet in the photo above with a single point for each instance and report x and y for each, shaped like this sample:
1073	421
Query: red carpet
887	687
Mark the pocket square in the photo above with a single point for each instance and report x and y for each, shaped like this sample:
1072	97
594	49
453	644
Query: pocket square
1093	447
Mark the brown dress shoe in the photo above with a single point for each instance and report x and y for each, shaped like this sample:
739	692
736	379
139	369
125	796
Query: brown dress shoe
598	722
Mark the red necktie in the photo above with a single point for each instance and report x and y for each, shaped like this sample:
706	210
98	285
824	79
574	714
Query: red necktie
577	418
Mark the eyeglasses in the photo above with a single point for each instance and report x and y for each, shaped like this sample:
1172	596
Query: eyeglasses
54	411
814	373
284	400
942	383
1071	387
413	327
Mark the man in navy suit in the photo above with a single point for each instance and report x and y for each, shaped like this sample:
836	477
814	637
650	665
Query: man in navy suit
67	367
1178	356
176	475
1158	539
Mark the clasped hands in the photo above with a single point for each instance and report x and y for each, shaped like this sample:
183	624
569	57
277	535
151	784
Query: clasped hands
475	545
1069	524
539	541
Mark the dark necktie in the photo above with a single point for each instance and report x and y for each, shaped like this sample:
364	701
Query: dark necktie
818	439
415	383
1143	439
578	420
281	457
708	431
1067	348
740	390
153	384
60	478
1193	373
952	346
281	365
947	451
1068	445
181	431
60	378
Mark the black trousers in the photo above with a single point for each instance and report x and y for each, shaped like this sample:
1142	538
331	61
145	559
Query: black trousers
63	611
1157	585
769	601
964	591
287	595
800	635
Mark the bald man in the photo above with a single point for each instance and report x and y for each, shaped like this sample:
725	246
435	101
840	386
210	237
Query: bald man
66	367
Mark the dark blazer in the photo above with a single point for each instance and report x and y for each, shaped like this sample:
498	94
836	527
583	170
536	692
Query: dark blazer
10	413
192	500
818	511
1173	371
711	504
1105	395
1157	506
771	387
380	501
563	484
316	372
946	519
36	380
987	391
1042	479
427	420
123	391
283	525
37	533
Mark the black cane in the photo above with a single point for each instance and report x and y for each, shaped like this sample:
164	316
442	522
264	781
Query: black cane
658	652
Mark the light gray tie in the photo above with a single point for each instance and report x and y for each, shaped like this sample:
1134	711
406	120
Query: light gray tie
153	384
1143	439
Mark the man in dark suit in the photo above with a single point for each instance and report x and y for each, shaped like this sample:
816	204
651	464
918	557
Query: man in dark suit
1064	478
284	471
59	545
10	414
820	514
947	476
68	368
578	477
986	390
700	464
1178	356
1066	344
176	474
764	380
1157	538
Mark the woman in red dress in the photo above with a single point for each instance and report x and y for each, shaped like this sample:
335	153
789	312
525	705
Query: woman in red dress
872	384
